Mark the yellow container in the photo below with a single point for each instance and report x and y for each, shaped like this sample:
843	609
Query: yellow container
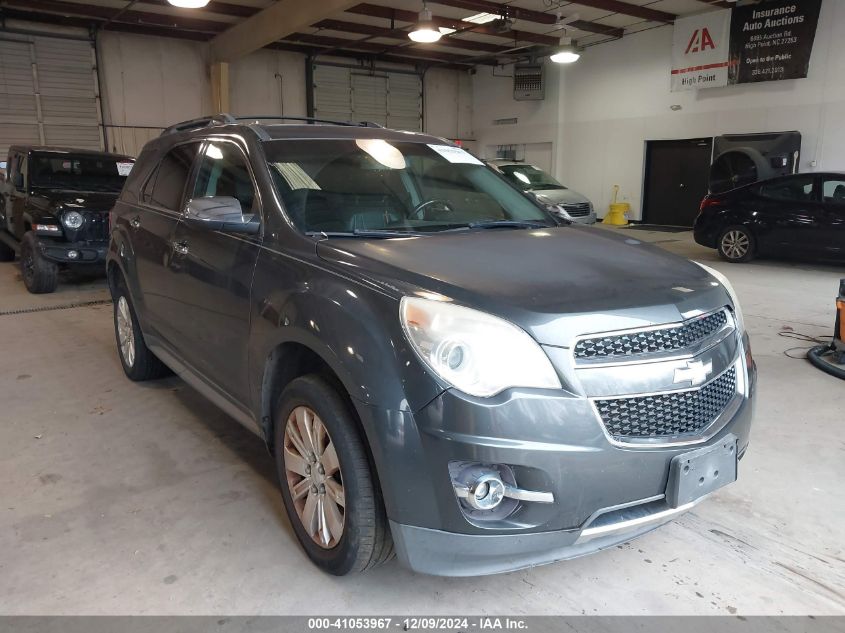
617	213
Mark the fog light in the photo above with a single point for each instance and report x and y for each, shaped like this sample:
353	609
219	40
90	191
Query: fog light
73	254
486	492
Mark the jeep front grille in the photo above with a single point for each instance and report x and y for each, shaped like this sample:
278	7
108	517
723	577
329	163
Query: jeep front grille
653	341
96	228
667	415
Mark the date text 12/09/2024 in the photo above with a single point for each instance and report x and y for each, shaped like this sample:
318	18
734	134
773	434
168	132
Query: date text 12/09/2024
418	623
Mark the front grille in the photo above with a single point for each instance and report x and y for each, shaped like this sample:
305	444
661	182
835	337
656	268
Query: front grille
577	210
669	414
96	228
651	341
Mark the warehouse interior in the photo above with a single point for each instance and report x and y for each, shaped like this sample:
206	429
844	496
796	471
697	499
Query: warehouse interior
123	498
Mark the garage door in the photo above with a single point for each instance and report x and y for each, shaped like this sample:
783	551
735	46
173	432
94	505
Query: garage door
48	93
387	98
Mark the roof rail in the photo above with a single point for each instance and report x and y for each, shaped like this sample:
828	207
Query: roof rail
196	124
307	119
226	119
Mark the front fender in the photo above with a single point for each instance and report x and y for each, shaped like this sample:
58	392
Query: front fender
353	327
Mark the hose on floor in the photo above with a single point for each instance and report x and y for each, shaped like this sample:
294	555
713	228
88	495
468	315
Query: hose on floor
816	356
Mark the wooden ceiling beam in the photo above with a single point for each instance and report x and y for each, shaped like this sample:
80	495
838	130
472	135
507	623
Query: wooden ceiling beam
388	13
541	17
402	35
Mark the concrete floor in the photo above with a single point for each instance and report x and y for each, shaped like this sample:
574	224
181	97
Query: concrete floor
119	498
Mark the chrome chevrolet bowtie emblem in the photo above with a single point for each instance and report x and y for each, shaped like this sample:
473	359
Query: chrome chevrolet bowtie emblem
695	372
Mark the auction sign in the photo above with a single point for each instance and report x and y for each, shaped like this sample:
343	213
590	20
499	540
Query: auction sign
772	40
700	51
767	41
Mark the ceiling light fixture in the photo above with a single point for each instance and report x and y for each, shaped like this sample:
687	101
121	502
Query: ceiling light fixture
189	4
566	53
482	18
424	30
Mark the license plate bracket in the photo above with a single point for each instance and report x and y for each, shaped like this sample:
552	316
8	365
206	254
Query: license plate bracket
700	472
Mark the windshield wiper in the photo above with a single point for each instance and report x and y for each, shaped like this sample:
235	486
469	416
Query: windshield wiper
510	224
384	233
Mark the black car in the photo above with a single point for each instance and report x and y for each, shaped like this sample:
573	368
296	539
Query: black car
387	313
55	209
802	215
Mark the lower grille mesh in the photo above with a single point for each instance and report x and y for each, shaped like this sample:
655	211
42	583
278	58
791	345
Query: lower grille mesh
669	414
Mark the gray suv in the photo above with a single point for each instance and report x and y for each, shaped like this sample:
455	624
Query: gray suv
388	315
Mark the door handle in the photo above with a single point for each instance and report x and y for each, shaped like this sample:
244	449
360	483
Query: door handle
682	185
135	222
181	247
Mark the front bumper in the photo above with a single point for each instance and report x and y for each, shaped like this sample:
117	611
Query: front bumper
585	219
85	252
441	553
553	441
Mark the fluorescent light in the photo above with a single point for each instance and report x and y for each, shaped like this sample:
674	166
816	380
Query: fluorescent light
424	30
189	4
481	18
444	30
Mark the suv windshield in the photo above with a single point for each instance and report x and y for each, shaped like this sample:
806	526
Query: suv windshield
78	172
529	177
356	186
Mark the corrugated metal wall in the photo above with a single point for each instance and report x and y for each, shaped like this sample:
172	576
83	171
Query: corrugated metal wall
18	109
388	98
49	92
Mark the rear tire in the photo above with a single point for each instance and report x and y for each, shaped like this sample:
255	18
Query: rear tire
138	362
40	276
338	514
736	244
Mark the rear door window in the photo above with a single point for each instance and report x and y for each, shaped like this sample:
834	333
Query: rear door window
799	189
833	191
166	187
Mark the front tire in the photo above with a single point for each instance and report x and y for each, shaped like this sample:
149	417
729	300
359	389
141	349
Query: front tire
40	276
737	244
328	487
139	363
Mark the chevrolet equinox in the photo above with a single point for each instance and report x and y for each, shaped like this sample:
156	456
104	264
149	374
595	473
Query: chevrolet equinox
440	368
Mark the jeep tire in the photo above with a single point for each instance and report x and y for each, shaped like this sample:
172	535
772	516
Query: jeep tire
40	276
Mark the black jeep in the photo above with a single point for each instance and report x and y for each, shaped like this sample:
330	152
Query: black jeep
55	209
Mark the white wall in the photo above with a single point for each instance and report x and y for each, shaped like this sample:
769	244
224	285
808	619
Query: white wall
616	97
258	81
448	103
537	121
152	81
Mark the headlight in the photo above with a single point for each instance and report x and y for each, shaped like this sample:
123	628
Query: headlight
740	321
476	352
73	220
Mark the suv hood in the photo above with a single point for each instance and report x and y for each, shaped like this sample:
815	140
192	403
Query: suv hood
96	201
556	283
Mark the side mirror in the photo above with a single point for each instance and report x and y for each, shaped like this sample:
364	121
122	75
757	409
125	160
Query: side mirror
220	213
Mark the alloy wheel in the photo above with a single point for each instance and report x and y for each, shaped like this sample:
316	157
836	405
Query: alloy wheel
735	244
125	332
313	477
